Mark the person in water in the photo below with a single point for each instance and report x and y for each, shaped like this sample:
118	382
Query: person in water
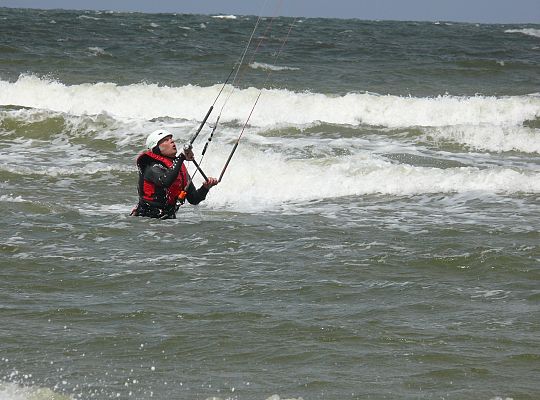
164	182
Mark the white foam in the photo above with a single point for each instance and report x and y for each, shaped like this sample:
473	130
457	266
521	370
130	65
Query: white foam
277	397
10	199
89	17
270	67
92	168
12	391
276	106
98	51
225	16
525	31
491	138
267	180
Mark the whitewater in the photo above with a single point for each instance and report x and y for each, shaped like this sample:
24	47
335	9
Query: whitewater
189	102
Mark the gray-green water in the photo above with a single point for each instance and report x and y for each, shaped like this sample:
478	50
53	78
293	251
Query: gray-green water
375	237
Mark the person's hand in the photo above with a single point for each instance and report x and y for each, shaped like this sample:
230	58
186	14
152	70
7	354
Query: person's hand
210	182
188	154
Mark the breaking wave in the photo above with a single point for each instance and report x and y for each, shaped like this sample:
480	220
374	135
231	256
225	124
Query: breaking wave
525	31
277	106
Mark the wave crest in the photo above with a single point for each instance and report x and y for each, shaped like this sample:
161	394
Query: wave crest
277	106
525	31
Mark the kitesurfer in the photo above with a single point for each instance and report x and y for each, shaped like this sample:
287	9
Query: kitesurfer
164	182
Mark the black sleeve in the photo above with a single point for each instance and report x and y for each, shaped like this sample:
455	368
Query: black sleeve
161	175
195	196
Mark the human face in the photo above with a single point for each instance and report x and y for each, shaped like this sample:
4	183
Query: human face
167	147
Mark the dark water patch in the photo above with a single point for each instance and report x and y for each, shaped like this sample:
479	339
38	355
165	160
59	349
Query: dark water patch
532	123
424	161
44	129
8	49
535	297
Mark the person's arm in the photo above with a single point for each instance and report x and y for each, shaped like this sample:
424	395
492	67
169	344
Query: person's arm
195	196
161	175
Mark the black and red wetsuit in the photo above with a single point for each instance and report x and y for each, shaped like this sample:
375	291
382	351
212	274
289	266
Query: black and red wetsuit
161	180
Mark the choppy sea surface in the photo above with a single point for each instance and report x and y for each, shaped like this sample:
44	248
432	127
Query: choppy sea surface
376	235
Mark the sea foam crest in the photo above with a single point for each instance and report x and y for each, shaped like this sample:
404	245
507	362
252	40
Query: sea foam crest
224	16
276	106
98	51
270	67
490	137
525	31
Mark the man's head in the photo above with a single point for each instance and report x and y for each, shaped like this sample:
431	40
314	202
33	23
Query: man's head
161	142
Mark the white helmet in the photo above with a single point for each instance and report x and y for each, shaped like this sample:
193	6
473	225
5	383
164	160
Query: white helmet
153	139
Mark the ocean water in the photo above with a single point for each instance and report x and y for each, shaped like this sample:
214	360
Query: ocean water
376	235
